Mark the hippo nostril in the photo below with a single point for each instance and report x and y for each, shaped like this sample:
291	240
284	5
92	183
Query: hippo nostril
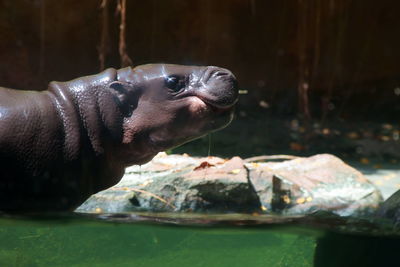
215	72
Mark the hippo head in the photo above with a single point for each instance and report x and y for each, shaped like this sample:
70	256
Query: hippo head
166	105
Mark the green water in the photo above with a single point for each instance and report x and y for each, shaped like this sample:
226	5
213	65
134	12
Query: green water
87	242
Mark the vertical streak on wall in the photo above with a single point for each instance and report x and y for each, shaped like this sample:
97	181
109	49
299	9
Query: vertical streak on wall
317	41
125	59
278	50
42	36
207	29
335	10
154	27
303	68
104	39
253	7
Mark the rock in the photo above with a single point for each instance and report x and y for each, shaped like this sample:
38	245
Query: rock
390	209
179	183
319	183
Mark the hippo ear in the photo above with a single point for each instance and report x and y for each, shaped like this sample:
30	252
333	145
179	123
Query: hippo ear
124	96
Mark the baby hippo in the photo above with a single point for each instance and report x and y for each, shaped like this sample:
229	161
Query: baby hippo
59	146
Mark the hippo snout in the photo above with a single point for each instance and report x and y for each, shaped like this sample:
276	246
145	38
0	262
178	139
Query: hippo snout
219	87
215	72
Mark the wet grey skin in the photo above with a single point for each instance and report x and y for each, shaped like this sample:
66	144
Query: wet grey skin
59	146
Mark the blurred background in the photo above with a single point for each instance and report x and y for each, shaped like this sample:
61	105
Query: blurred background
316	75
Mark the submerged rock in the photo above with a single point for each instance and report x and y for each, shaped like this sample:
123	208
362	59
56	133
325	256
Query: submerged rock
390	209
179	183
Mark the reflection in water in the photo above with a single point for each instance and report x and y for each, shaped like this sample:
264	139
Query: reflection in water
334	250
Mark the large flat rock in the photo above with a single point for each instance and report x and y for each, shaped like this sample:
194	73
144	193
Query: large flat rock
179	183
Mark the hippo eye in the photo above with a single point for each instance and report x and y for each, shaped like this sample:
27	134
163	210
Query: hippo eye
174	83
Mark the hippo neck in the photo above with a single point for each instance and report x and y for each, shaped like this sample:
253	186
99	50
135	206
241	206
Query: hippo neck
79	103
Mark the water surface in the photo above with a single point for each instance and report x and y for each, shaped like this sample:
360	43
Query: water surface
77	241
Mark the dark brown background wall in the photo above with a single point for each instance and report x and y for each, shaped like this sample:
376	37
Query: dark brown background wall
342	55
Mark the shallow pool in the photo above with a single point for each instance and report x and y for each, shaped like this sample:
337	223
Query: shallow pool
80	241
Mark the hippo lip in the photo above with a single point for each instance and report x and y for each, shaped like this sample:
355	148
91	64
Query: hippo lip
215	107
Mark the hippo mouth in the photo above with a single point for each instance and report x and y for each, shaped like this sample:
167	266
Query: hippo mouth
213	116
215	107
205	109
